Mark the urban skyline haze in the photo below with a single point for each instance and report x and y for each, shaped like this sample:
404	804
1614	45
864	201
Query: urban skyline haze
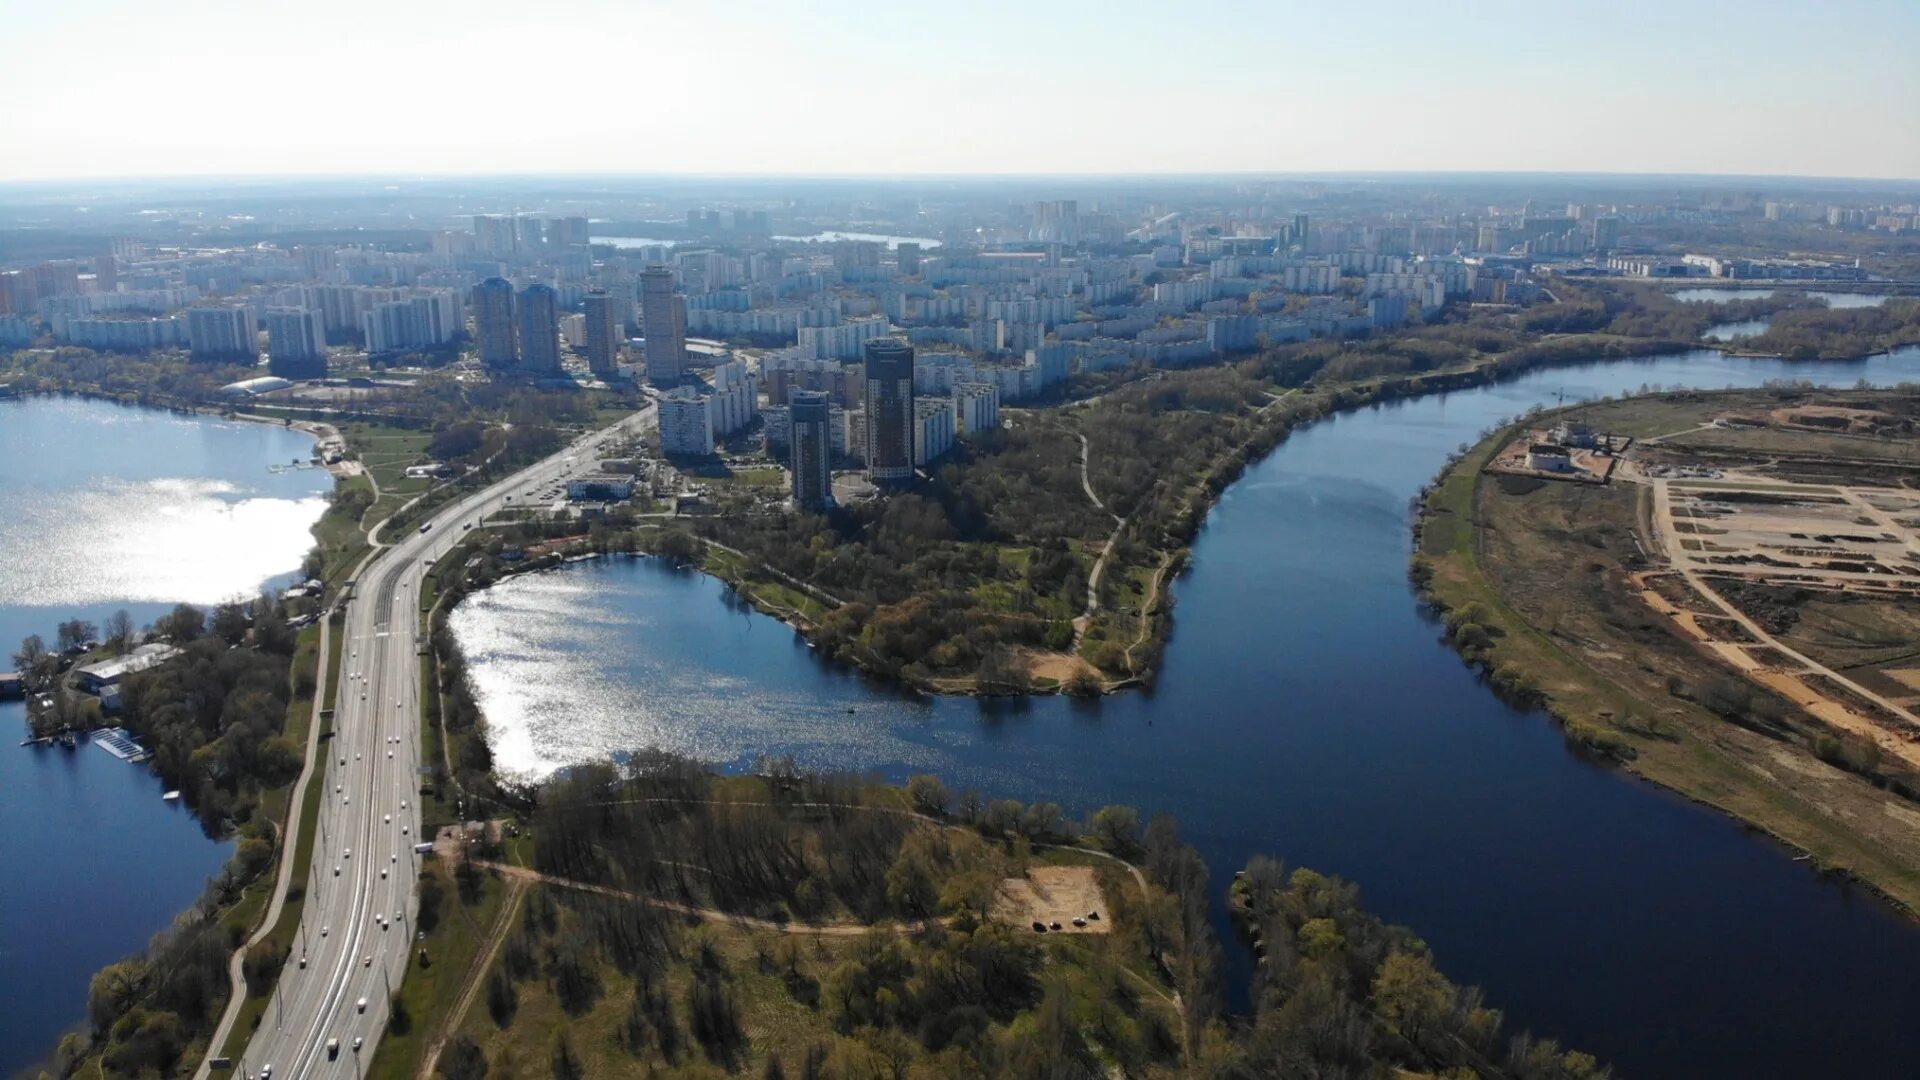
114	89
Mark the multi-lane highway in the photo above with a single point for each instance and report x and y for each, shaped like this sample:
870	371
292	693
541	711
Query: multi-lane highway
357	929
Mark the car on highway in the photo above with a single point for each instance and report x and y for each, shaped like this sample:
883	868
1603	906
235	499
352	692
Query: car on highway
361	1005
333	1049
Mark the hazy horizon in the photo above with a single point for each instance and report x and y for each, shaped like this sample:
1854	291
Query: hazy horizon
1770	89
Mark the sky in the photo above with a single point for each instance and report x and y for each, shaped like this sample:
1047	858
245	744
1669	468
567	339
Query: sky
128	88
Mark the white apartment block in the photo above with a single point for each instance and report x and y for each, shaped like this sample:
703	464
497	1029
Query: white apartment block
422	321
686	423
842	342
976	406
933	424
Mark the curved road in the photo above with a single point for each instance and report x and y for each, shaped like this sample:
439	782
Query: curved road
355	933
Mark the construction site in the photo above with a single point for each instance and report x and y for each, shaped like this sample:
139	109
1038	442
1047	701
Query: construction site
1786	541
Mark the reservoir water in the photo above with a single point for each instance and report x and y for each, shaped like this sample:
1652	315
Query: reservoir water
834	235
1720	294
111	507
1307	709
1739	328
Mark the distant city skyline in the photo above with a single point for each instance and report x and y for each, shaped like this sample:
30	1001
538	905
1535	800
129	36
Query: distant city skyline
108	88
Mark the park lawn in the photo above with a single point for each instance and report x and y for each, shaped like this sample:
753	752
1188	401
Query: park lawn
752	477
339	534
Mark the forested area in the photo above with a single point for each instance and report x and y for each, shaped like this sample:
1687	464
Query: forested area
1337	992
610	982
215	717
1840	333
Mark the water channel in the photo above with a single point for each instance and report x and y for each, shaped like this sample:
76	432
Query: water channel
1307	709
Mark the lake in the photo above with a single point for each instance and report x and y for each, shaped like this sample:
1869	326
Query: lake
629	242
1307	708
1720	294
114	507
1738	328
832	236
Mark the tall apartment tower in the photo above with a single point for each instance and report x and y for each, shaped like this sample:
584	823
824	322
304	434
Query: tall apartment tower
493	323
540	329
812	449
224	332
296	343
603	334
663	318
493	234
889	405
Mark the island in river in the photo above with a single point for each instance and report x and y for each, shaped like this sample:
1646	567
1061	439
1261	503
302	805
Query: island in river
1721	590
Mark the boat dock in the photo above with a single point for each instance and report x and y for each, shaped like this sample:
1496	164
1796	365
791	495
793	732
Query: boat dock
117	742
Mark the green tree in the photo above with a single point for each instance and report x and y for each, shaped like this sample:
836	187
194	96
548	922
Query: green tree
1117	828
928	795
566	1064
462	1060
1410	996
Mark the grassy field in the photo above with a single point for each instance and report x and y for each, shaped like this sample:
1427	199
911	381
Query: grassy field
429	991
1533	577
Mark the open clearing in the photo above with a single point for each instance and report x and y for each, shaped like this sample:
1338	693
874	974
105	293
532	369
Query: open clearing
1054	894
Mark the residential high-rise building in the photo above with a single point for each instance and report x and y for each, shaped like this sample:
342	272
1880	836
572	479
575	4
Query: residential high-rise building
811	452
567	232
933	424
603	334
296	343
539	312
423	321
976	405
529	233
493	234
908	254
106	273
493	322
889	407
223	333
1299	234
663	317
686	422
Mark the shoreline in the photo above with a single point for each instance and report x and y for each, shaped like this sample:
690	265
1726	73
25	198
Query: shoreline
1210	487
323	435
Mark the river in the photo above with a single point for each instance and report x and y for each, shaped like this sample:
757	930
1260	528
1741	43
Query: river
1309	709
113	507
